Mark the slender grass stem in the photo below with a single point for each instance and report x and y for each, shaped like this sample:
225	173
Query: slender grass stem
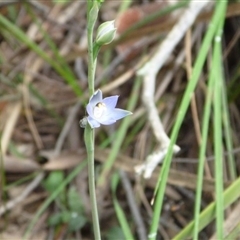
231	163
214	74
202	152
217	107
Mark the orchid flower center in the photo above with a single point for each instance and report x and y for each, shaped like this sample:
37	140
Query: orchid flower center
99	109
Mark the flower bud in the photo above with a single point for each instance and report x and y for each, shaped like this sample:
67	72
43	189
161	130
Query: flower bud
105	33
83	122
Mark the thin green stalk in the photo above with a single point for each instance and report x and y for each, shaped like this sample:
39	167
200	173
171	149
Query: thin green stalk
218	152
124	6
92	13
227	133
89	141
18	182
205	127
91	19
124	222
215	70
162	181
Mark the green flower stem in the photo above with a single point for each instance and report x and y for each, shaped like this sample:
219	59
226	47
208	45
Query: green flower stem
89	141
92	12
92	60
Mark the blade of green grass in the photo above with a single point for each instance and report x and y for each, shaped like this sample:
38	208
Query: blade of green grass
120	213
227	133
202	152
197	69
230	195
233	89
59	59
218	167
124	5
20	181
217	129
21	36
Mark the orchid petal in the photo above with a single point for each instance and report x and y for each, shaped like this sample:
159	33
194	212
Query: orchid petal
111	102
103	111
96	98
92	122
107	121
120	113
89	109
113	115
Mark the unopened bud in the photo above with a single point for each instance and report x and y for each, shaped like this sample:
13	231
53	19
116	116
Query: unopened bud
105	33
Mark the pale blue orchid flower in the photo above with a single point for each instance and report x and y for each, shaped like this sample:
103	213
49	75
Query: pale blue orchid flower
103	111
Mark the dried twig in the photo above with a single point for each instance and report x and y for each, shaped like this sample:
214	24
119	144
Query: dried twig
149	72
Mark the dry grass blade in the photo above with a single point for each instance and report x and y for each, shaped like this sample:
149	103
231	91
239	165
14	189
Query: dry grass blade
13	110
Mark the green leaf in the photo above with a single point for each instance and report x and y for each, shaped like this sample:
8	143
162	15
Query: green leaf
74	201
53	181
66	216
115	233
55	219
76	222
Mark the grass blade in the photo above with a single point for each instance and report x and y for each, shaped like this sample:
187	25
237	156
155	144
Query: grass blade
182	111
202	151
230	195
21	36
120	213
